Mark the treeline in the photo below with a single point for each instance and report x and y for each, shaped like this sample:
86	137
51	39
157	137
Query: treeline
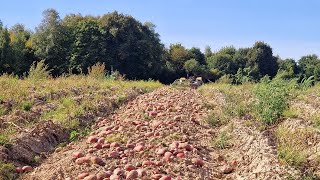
134	49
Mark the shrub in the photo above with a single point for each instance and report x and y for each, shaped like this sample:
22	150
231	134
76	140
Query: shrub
39	71
7	171
97	71
272	99
292	145
26	106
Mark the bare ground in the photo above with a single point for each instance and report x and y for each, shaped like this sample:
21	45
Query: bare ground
171	121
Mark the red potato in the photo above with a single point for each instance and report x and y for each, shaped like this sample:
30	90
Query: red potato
156	176
114	177
101	140
106	146
103	175
77	154
98	146
19	169
181	155
83	175
118	171
149	134
129	167
141	172
114	144
27	168
132	175
162	151
92	139
146	163
114	154
139	148
97	160
83	160
197	162
166	177
91	177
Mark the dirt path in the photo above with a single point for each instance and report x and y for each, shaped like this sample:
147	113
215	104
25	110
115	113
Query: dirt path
162	135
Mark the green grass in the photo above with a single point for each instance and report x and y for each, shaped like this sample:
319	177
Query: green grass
293	144
7	171
222	141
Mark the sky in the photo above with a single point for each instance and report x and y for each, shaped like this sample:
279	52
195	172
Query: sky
290	27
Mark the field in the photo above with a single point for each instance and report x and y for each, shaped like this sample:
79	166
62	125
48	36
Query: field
107	128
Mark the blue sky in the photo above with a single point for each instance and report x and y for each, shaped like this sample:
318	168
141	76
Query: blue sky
291	27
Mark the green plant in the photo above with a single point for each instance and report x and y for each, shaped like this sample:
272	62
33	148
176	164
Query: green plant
27	105
213	120
222	141
293	144
97	71
4	141
272	99
7	171
290	113
39	71
307	82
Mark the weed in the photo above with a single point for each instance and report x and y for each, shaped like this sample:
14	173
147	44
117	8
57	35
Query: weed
290	113
272	100
7	171
97	71
213	120
39	71
292	145
4	140
116	138
222	141
27	105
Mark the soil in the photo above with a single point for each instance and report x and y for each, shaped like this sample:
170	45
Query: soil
164	135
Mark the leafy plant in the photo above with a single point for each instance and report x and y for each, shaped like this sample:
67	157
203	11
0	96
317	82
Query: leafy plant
39	71
272	99
7	171
27	105
222	141
97	71
307	82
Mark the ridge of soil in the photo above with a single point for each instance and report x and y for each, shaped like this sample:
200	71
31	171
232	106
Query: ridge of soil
163	135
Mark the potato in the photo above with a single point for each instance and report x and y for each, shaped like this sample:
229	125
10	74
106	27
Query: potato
132	175
197	162
77	154
83	175
27	168
97	160
83	160
92	139
129	167
91	177
165	178
139	148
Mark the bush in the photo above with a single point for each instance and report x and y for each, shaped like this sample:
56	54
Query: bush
7	171
39	71
97	71
272	99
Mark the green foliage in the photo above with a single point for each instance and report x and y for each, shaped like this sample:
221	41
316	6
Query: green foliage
292	145
4	140
97	71
222	141
39	71
7	171
272	99
307	82
27	105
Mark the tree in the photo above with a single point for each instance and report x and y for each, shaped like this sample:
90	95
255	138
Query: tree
308	64
192	66
207	51
195	53
260	56
6	63
50	42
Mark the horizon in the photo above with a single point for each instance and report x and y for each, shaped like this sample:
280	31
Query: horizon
288	26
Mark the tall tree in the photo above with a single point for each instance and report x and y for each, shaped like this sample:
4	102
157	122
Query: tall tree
50	42
261	58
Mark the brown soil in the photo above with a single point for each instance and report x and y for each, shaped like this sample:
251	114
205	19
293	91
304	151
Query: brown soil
172	120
